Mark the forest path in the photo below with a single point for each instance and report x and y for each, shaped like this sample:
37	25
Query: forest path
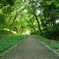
29	48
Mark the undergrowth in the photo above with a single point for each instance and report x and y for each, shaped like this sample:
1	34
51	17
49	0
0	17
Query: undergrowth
52	43
7	41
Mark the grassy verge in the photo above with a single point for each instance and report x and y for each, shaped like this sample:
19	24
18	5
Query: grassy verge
52	43
7	41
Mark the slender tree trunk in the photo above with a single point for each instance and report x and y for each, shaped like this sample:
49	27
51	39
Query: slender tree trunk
55	37
36	19
46	29
16	16
38	24
45	26
14	19
33	28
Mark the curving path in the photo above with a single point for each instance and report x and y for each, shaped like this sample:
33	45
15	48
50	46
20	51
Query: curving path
29	48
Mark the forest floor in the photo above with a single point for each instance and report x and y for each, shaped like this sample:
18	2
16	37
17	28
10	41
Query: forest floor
29	48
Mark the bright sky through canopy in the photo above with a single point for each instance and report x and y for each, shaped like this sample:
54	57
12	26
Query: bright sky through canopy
38	12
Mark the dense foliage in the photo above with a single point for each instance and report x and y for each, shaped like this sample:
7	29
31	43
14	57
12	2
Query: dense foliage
30	16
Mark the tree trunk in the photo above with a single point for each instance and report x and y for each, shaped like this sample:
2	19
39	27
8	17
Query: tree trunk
16	16
38	24
46	29
14	19
45	26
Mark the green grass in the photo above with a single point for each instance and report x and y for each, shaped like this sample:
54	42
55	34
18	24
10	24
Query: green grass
7	41
52	43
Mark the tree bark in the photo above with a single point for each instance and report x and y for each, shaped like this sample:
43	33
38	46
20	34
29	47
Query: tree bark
38	24
14	19
16	16
45	26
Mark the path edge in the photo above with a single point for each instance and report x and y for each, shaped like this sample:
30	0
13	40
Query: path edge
12	46
47	46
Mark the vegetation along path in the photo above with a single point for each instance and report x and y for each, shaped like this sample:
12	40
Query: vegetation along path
29	48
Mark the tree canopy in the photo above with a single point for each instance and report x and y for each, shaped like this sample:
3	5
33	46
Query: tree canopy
34	16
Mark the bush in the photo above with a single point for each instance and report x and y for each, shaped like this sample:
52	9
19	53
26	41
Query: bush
5	32
53	33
